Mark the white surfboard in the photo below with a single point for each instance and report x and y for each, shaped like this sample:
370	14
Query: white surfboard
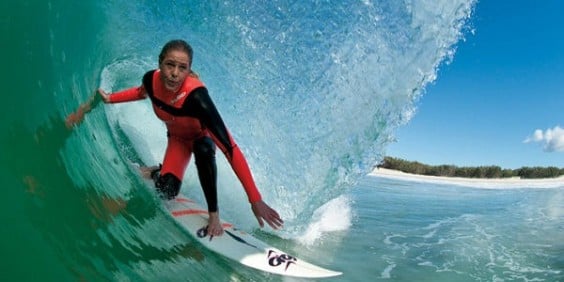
240	246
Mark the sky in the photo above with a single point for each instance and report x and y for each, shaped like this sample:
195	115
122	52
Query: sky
500	100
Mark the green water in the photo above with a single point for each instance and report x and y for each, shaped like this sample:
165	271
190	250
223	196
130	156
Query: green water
72	208
42	209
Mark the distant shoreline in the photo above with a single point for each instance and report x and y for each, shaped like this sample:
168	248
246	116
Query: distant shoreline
478	172
491	183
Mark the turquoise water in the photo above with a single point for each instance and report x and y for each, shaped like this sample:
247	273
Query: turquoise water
312	93
433	232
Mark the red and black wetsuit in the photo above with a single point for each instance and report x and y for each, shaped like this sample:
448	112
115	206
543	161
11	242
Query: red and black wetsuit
194	126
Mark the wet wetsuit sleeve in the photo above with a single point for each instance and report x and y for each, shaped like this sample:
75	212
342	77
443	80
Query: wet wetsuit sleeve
127	95
200	105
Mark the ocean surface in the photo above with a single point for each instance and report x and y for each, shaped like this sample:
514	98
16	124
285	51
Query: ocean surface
312	92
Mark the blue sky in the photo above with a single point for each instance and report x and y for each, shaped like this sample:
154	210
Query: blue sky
501	99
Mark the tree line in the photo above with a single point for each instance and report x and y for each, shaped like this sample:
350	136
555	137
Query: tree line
469	172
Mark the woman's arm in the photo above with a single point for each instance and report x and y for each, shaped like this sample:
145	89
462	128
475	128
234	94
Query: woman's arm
200	104
127	95
131	94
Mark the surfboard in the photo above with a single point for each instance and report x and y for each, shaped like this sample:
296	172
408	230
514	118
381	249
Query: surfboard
239	245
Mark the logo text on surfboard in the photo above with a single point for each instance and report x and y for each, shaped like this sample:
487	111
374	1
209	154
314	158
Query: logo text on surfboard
276	259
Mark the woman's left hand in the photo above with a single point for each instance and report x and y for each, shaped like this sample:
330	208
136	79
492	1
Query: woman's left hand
265	213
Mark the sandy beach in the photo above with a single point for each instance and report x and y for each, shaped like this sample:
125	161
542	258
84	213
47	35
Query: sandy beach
499	183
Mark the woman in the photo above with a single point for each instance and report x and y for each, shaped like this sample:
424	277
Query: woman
194	125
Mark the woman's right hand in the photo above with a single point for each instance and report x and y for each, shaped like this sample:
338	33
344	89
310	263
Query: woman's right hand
105	96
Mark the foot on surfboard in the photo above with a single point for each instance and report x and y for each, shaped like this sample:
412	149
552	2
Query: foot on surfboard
147	172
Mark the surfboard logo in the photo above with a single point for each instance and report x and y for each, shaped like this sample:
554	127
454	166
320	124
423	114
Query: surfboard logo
203	233
276	259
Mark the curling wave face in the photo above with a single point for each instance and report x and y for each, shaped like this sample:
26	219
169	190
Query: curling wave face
311	91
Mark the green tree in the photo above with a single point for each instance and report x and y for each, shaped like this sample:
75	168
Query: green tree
469	172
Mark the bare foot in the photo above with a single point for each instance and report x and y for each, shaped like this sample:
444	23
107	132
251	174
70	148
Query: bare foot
214	225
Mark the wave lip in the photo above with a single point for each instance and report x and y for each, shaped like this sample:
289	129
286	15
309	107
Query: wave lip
494	183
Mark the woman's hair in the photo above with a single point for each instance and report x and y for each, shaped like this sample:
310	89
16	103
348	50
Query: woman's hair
176	44
179	45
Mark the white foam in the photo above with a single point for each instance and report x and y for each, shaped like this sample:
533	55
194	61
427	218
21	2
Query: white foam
136	119
334	215
386	273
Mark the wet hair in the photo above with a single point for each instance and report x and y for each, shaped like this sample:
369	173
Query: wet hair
176	44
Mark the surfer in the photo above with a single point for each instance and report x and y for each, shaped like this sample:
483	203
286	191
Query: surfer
195	127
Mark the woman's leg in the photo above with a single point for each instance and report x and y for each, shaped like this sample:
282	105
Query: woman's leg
204	153
177	156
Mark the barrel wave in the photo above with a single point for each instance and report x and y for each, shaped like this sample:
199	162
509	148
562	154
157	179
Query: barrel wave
311	91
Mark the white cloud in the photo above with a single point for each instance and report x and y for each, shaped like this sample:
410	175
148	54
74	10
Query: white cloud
552	139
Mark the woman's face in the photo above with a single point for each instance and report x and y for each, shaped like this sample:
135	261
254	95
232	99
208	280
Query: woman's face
175	67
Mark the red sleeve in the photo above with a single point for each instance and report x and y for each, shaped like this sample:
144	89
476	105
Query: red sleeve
241	168
127	95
